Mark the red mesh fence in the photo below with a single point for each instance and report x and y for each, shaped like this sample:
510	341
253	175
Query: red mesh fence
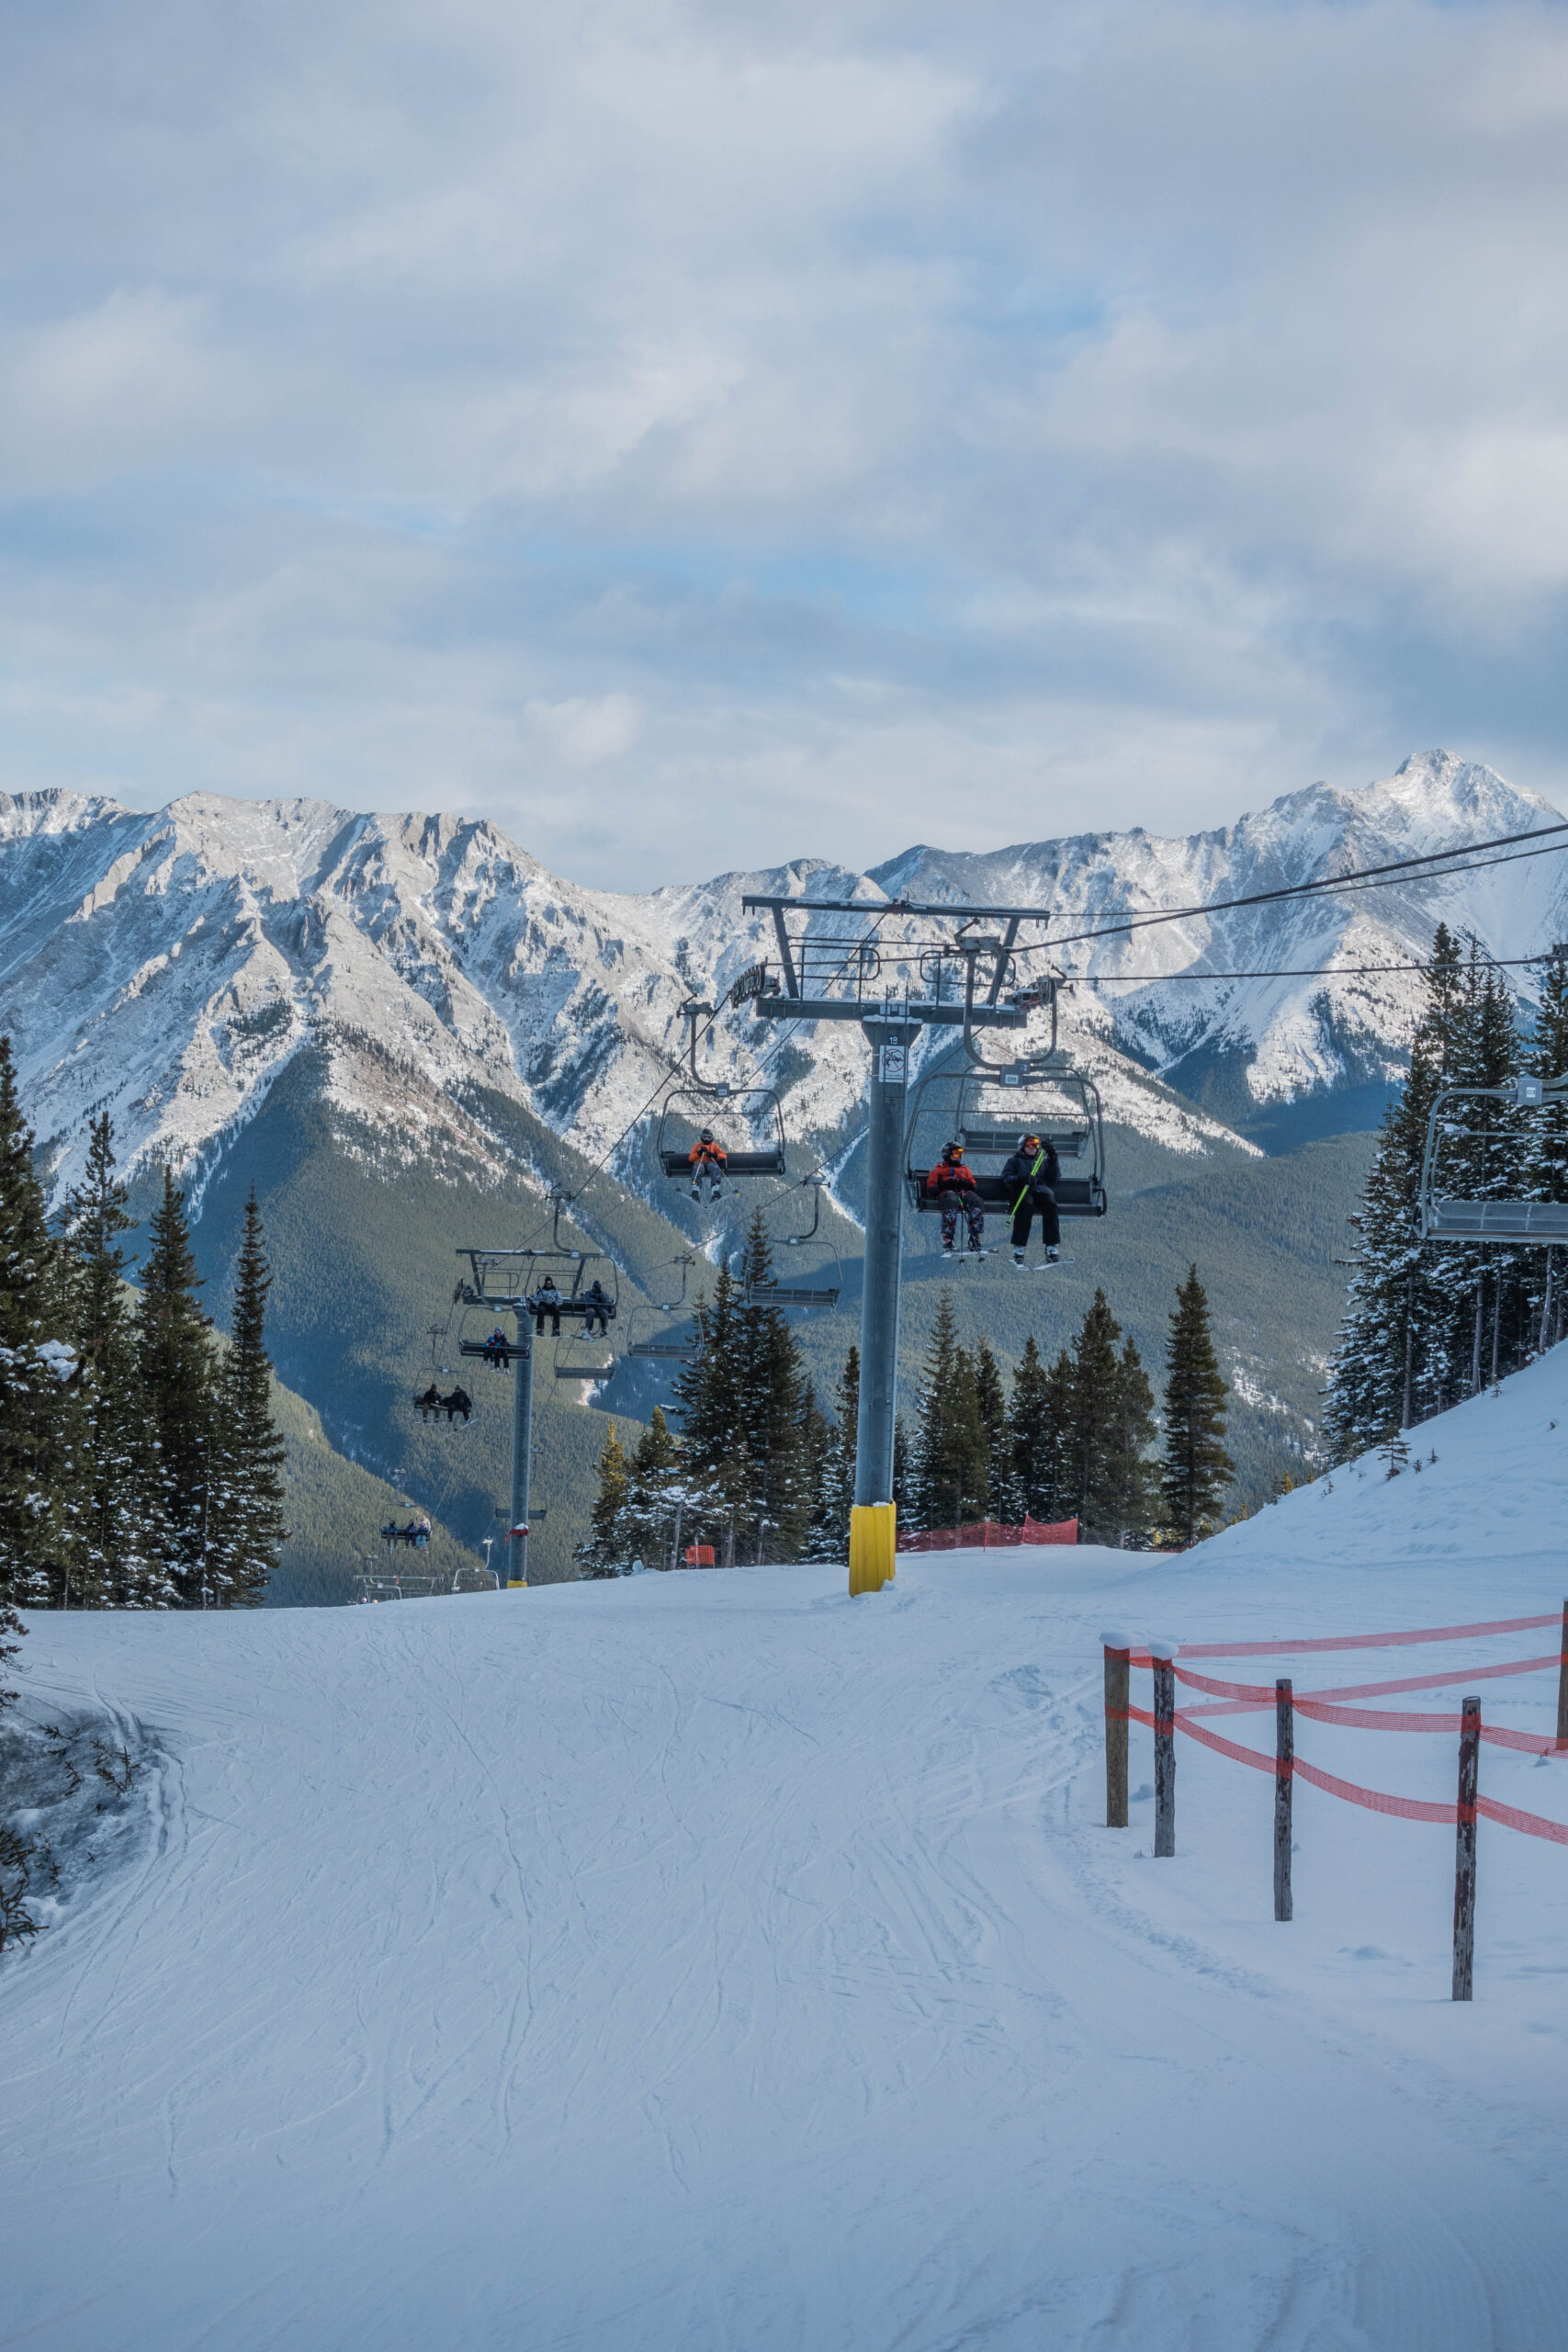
1329	1707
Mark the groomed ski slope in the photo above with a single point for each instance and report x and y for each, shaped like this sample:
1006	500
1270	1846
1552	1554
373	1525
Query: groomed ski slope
708	1962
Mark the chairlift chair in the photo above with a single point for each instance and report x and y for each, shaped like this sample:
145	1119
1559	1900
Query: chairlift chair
1446	1215
1042	1095
801	1291
701	1102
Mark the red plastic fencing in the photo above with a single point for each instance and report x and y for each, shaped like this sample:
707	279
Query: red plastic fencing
1326	1706
987	1536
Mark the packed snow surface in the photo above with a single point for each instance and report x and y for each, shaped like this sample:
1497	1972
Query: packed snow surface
712	1962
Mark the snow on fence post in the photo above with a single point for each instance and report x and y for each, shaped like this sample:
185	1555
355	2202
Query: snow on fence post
1562	1684
1163	1654
1118	1694
1284	1782
1464	1860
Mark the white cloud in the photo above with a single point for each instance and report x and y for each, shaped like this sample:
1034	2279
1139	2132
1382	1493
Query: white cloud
807	430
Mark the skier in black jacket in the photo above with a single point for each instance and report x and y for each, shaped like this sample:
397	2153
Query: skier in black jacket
1031	1175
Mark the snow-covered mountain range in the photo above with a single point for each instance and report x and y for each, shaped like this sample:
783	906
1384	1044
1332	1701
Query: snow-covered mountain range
168	966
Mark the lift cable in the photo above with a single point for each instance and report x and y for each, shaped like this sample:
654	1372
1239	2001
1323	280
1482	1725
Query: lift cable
1295	972
1462	860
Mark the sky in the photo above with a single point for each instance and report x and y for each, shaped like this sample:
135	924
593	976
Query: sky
697	435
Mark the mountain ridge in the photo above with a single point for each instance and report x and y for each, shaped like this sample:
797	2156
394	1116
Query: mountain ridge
168	965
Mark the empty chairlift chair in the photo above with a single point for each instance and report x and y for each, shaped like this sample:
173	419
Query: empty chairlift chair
1455	1206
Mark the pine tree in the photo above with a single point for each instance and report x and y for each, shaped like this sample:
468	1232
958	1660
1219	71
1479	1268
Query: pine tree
245	1524
38	1378
1090	1435
1194	1469
604	1552
175	1356
1125	1508
741	1412
649	1511
1033	1434
1393	1363
117	1569
949	1448
991	1411
1546	1162
817	1436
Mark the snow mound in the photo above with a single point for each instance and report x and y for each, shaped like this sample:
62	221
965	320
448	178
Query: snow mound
711	1960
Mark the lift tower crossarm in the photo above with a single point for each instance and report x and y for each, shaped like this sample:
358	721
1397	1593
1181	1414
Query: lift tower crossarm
763	901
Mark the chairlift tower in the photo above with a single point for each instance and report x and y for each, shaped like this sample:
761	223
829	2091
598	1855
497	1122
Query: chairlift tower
502	1281
954	979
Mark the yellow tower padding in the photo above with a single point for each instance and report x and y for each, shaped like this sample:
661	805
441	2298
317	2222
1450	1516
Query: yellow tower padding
874	1529
518	1584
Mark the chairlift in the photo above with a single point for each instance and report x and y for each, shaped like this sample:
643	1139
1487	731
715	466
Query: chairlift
659	1344
510	1281
700	1103
801	1291
1448	1215
989	1107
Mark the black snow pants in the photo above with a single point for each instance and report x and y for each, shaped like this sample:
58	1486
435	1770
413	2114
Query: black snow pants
1041	1201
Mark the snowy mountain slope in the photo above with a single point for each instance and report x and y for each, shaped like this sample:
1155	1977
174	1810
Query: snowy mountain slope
711	1960
168	966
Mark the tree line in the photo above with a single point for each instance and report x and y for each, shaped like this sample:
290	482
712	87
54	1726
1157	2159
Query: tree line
140	1465
761	1467
1427	1324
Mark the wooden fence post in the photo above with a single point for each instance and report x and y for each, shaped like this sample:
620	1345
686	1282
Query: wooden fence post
1464	1859
1562	1684
1163	1654
1118	1694
1284	1782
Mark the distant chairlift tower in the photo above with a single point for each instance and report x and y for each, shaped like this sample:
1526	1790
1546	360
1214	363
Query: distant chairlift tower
958	983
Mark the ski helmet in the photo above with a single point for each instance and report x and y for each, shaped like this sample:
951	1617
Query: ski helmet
707	1135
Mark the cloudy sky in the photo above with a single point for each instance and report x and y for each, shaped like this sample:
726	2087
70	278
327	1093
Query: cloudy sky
699	435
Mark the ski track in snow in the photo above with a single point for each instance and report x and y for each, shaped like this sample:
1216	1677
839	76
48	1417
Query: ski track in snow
712	1962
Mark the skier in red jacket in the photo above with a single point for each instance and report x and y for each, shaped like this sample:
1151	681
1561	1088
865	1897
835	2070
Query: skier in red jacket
952	1184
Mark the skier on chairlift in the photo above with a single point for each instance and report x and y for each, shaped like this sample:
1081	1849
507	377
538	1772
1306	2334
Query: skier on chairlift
498	1350
953	1187
458	1402
598	1299
1031	1176
546	1301
708	1161
430	1403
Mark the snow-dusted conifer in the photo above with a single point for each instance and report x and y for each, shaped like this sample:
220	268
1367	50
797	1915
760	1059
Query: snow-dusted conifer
174	1354
1194	1469
118	1569
39	1379
605	1553
245	1530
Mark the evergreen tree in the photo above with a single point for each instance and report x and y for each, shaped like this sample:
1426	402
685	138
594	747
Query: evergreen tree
902	1474
1393	1363
651	1504
949	1464
1194	1469
117	1569
245	1524
1034	1440
991	1411
38	1378
1090	1434
817	1443
1125	1508
741	1406
174	1354
603	1553
1545	1164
